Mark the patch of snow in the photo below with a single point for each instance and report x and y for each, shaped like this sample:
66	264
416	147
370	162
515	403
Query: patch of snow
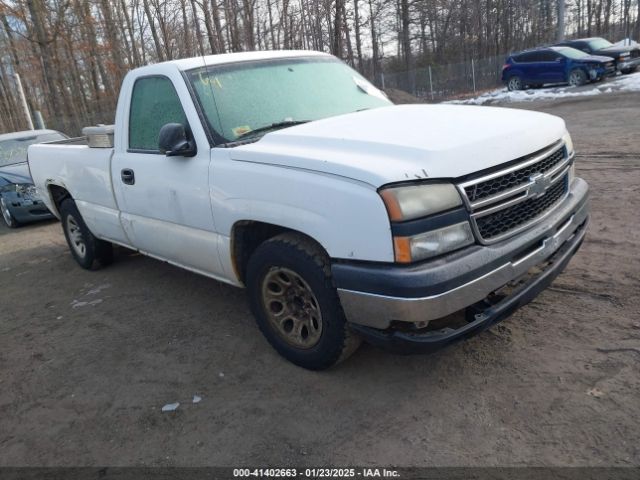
170	407
622	83
627	42
197	399
77	304
98	289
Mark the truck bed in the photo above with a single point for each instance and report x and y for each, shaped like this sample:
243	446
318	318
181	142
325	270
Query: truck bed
85	173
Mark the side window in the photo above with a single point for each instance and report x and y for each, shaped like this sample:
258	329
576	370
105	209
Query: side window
584	46
154	103
527	57
548	56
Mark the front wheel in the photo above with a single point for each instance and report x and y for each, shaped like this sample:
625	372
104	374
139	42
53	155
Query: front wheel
8	218
295	303
515	83
577	78
86	249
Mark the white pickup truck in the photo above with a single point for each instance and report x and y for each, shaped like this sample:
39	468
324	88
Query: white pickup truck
344	216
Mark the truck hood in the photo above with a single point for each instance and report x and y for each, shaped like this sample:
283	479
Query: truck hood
617	49
407	142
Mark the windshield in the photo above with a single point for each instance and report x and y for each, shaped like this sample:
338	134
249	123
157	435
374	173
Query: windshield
572	52
15	150
240	98
599	43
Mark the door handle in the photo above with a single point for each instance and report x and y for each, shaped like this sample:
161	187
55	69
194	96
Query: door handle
127	176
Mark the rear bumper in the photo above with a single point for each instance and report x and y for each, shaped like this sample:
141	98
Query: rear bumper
377	295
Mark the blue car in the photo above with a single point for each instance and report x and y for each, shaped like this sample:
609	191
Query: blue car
543	66
19	201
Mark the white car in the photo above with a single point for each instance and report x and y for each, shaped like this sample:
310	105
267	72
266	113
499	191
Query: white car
345	217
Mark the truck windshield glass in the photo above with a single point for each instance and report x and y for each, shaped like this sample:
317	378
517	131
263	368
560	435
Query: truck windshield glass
599	43
240	98
15	150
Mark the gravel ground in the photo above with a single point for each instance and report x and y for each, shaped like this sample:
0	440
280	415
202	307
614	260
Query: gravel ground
88	359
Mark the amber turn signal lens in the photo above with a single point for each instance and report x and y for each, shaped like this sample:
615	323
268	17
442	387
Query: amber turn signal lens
393	207
402	249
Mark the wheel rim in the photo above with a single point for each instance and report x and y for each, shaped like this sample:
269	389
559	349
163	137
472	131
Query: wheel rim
574	79
6	214
292	308
514	83
75	236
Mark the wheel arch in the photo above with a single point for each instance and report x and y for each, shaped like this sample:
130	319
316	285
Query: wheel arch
57	194
248	235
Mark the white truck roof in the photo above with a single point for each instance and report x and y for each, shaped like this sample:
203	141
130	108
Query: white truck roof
210	60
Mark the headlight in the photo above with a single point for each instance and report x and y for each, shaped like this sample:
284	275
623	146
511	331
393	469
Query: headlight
433	243
26	190
414	201
566	138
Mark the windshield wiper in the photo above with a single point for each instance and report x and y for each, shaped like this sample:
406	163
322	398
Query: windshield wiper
268	128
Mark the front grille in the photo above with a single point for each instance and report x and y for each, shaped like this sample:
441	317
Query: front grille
502	183
635	53
503	221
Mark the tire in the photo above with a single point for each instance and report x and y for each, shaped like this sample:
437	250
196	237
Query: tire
291	291
86	249
577	78
515	83
8	218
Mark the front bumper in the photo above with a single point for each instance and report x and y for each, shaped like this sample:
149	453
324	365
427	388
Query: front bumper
26	210
377	295
628	64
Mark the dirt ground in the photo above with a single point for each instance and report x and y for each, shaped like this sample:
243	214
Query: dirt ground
87	359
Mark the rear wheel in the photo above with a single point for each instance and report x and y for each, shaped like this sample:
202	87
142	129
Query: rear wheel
515	83
86	249
6	214
295	303
577	77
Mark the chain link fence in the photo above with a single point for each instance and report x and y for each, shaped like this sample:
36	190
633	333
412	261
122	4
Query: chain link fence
442	82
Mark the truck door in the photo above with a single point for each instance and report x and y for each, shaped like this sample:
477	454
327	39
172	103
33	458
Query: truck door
164	201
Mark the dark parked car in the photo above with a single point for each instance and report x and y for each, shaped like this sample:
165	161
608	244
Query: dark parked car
19	201
626	57
554	65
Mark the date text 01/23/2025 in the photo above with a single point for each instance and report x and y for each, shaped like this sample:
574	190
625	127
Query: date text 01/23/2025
315	473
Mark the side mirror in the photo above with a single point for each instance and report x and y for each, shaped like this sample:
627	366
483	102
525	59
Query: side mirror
174	142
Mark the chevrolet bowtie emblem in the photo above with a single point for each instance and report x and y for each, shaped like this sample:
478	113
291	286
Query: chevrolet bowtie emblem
539	185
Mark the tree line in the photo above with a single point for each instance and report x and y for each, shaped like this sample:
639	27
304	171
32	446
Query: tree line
73	54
